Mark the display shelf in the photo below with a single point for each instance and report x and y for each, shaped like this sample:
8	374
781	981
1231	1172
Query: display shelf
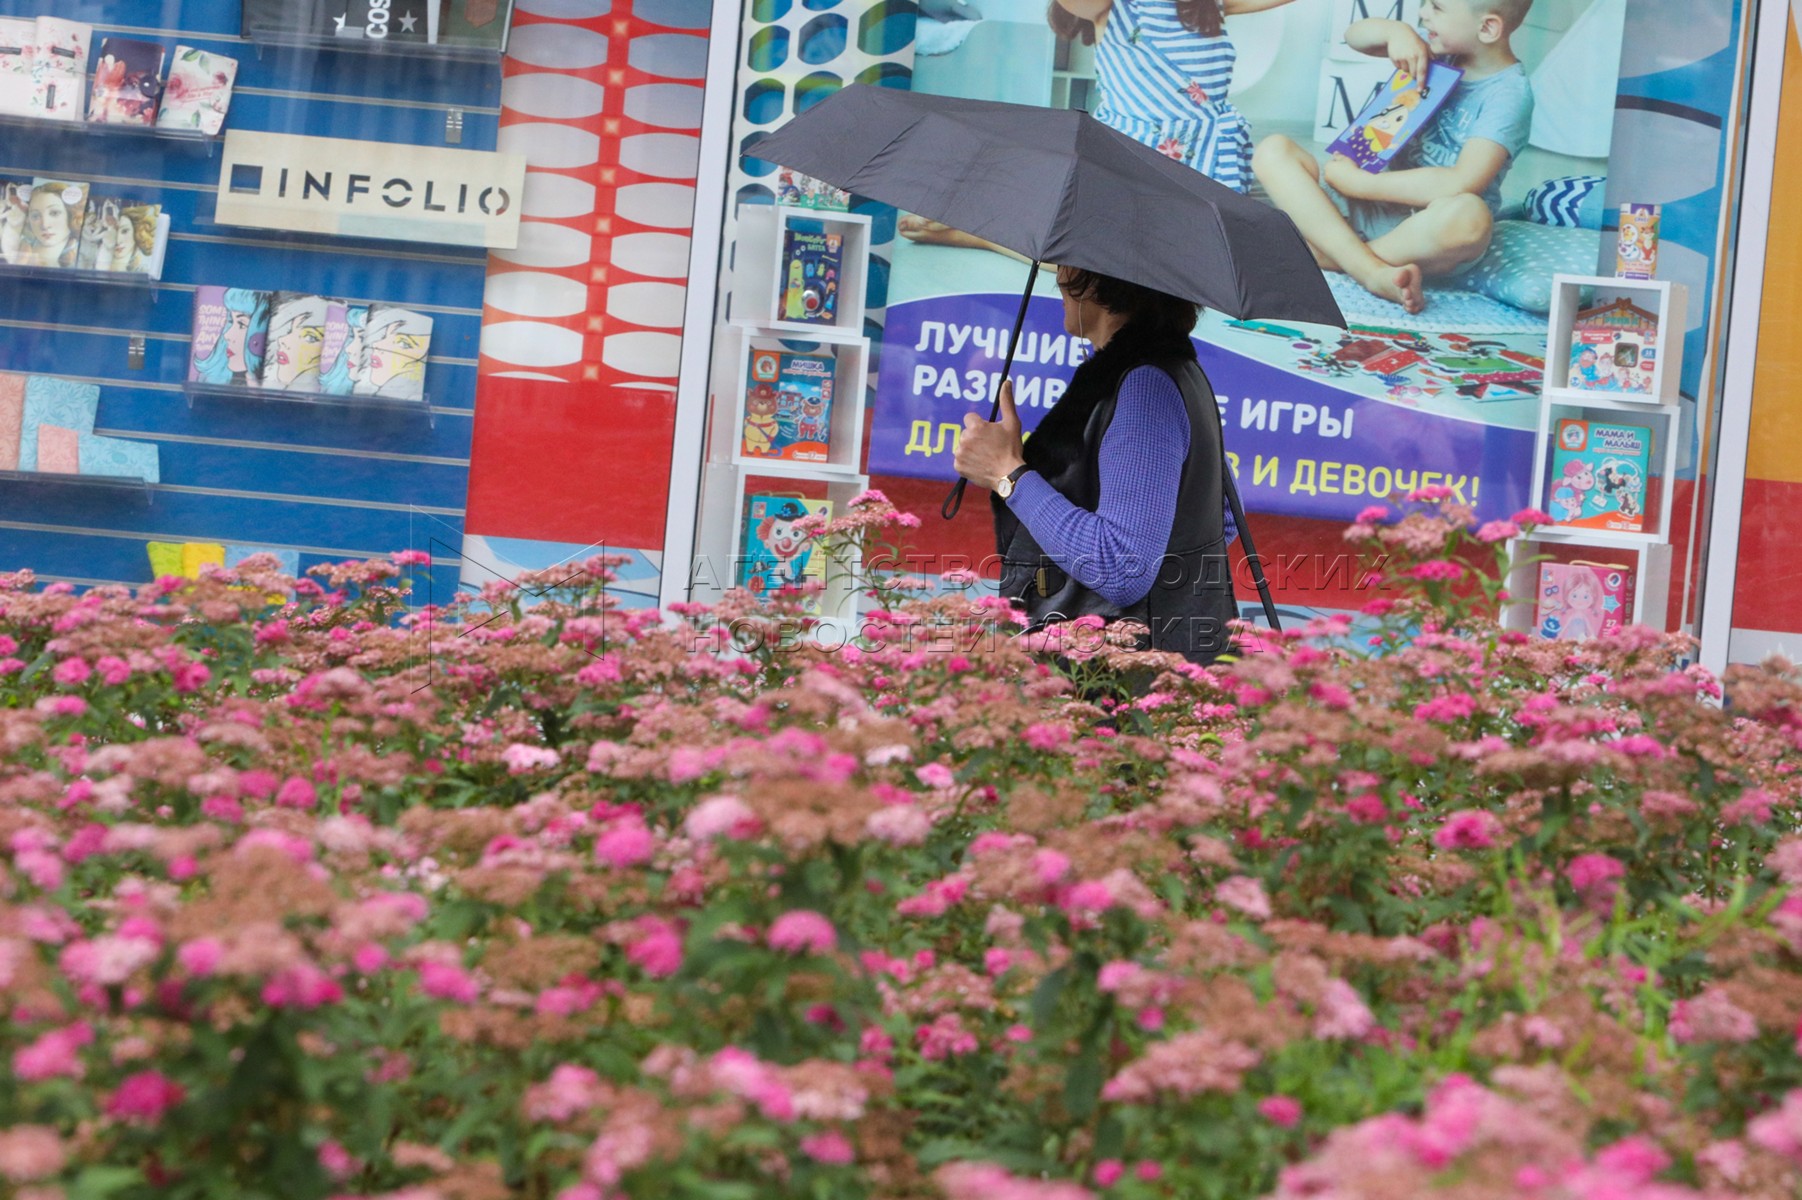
1650	562
384	405
1668	301
95	483
1604	401
850	356
262	40
758	280
721	548
1660	423
75	275
193	137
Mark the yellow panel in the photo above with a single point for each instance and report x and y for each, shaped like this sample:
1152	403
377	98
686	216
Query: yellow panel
1777	388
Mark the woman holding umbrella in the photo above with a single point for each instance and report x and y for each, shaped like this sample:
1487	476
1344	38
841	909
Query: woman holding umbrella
1115	507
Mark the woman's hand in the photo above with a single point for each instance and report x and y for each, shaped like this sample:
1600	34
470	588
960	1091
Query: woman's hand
1409	52
988	450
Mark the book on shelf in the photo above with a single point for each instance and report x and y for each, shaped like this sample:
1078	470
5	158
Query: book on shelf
128	82
396	342
296	341
774	554
1614	348
118	235
198	92
41	222
1392	117
474	23
12	419
341	358
1599	475
18	53
812	261
59	69
788	406
1579	600
231	329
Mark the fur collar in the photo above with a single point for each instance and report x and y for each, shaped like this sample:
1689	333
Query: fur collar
1058	441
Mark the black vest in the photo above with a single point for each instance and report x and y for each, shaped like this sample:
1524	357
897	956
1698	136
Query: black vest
1191	597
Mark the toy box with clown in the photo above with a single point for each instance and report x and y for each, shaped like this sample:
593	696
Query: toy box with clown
1599	476
1614	348
1579	600
774	554
788	406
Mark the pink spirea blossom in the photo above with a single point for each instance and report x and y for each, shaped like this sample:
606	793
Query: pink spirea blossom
1454	706
569	1091
1498	531
521	758
201	956
54	1055
1342	1013
830	1147
1281	1111
1185	1065
746	1076
1780	1130
448	981
657	950
935	775
1043	736
145	1097
1590	871
899	825
1108	1172
72	672
1711	1017
626	844
336	1160
1245	894
1469	829
986	1181
107	960
802	931
30	1152
720	816
302	986
945	1036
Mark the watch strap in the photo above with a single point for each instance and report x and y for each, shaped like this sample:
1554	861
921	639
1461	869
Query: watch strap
1013	476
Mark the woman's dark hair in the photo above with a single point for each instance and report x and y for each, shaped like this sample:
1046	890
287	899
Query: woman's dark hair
1157	313
1205	17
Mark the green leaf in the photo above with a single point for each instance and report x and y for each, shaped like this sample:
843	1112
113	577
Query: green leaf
99	1182
1082	1086
1046	995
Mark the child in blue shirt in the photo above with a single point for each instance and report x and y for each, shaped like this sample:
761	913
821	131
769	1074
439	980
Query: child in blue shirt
1433	209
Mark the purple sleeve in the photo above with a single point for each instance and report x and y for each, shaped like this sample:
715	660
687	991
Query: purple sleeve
1115	550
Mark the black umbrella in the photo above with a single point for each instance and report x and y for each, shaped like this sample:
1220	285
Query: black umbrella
1056	185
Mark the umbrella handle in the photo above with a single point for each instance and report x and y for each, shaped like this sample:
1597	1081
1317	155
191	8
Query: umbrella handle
955	500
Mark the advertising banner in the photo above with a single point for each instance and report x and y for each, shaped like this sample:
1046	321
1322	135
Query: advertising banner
1437	379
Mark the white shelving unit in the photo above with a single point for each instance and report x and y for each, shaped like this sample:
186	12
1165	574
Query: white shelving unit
1646	552
758	321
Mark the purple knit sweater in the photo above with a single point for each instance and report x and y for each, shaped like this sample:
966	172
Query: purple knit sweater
1115	550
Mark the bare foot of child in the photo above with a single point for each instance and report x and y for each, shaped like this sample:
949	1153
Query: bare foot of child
916	228
1400	285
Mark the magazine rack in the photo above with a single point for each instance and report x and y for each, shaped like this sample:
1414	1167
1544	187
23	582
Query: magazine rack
733	474
135	485
420	409
1656	411
193	137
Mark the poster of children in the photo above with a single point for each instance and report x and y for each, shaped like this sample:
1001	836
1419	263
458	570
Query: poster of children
1441	258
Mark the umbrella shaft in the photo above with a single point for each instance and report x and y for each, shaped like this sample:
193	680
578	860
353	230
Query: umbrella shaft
955	500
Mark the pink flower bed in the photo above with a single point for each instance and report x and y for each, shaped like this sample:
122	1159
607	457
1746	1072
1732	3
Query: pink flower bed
303	895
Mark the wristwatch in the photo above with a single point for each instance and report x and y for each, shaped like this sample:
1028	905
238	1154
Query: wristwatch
1004	487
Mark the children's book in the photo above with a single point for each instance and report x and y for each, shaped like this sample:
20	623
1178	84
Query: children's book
1614	348
18	51
1398	111
1599	475
812	260
41	222
788	406
1636	254
774	554
1580	600
199	90
231	327
128	82
53	402
396	342
59	70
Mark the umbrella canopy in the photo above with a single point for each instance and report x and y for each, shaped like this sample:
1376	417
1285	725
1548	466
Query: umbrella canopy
1060	187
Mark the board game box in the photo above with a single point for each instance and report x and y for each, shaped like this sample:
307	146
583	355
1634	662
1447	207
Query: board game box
1599	475
1581	600
812	260
774	554
788	406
